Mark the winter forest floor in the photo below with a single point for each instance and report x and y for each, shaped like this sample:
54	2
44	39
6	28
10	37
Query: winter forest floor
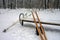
27	31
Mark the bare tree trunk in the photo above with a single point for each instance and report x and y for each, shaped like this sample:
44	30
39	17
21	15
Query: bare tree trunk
48	4
45	4
23	3
16	4
11	5
4	6
7	4
57	3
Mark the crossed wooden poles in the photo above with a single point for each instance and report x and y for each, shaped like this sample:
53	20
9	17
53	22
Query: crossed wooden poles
40	30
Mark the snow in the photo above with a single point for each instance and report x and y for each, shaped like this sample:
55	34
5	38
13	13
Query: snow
27	32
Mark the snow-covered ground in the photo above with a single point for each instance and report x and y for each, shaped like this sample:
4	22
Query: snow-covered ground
27	32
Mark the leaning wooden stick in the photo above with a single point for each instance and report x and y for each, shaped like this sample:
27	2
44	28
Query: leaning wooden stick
42	29
10	26
37	27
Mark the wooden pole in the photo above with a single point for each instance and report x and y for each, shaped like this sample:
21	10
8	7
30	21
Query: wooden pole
41	25
10	26
37	27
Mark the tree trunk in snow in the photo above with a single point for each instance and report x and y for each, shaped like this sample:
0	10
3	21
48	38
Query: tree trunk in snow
4	4
45	4
57	3
16	4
